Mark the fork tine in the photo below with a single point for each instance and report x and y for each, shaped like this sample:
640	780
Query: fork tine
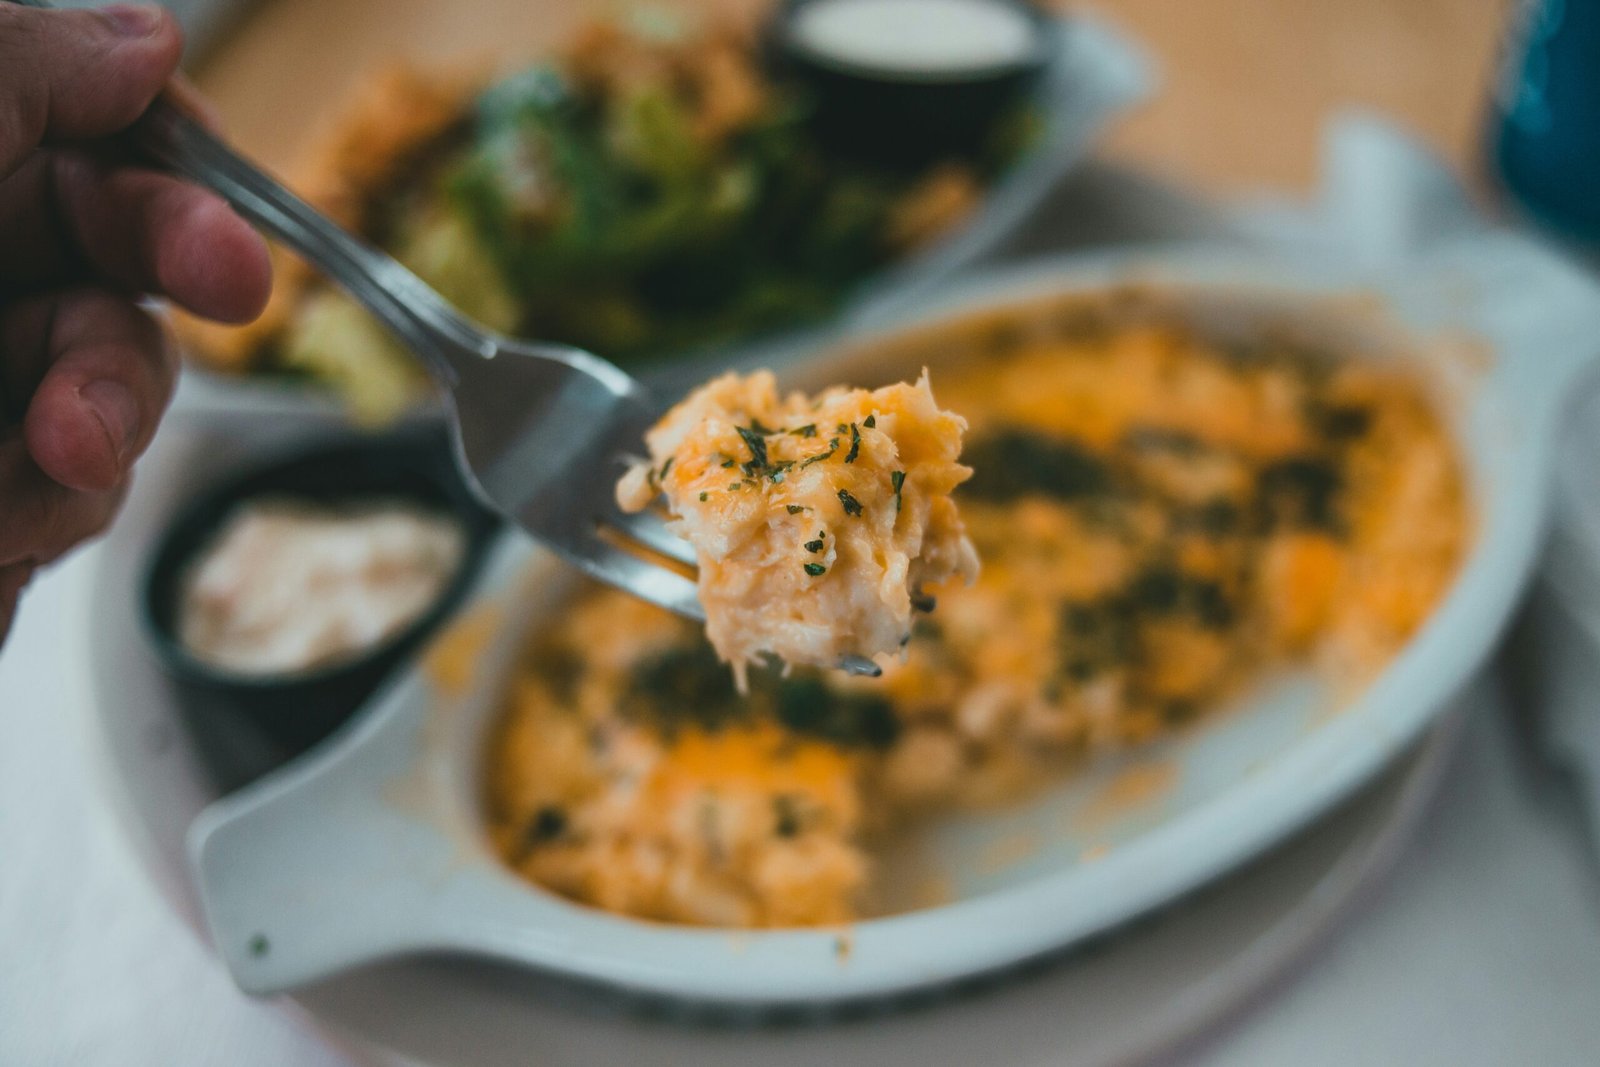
650	581
602	560
649	528
860	665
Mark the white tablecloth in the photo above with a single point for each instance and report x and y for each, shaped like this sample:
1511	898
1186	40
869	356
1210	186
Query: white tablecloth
1482	948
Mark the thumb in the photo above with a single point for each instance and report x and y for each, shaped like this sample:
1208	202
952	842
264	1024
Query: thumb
67	75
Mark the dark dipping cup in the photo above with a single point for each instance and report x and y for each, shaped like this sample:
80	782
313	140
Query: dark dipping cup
900	115
246	724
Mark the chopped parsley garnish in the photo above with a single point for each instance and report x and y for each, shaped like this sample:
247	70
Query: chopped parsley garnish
842	427
776	472
785	815
687	686
684	685
1012	463
733	487
833	446
815	546
665	467
549	823
870	421
795	509
806	705
1163	439
1341	422
703	495
855	444
755	424
1161	590
1301	491
1215	518
1095	637
758	448
897	479
727	463
852	506
808	430
815	569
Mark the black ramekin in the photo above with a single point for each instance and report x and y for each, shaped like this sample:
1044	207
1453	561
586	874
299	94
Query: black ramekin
244	724
907	119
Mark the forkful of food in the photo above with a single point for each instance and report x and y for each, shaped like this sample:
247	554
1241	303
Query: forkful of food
801	528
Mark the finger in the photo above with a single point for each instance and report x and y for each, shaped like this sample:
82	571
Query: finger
43	518
67	216
13	580
186	97
106	373
71	75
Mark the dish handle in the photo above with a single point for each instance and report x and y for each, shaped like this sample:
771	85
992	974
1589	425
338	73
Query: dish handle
340	861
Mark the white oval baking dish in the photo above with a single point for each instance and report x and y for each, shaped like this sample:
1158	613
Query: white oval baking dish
372	847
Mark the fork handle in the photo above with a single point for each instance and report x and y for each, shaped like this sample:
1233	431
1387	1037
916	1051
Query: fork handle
166	136
397	297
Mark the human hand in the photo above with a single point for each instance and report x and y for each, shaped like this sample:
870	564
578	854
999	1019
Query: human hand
85	373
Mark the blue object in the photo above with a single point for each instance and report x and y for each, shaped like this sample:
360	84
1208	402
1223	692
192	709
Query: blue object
1547	113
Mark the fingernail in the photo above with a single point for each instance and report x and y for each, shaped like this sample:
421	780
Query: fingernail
133	20
113	405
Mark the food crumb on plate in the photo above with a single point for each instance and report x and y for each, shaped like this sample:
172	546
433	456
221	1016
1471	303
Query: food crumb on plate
453	658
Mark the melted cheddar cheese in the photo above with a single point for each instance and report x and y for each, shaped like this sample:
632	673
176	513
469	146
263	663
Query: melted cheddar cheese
815	522
1163	517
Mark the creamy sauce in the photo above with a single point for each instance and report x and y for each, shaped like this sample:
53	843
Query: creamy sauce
915	36
288	587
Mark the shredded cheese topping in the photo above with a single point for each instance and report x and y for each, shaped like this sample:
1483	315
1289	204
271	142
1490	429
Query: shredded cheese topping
817	522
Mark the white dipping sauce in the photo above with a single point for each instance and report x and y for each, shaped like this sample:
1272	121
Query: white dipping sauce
915	36
287	587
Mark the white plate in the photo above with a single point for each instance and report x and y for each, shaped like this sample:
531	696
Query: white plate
1096	74
1149	987
373	848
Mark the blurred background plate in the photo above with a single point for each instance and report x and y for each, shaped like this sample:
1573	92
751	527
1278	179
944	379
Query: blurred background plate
279	81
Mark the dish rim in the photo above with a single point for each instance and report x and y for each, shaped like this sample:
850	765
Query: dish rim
1091	72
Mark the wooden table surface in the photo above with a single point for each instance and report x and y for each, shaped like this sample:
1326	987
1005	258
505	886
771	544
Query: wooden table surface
1245	85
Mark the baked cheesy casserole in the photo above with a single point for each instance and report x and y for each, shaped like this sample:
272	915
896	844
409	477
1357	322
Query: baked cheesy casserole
816	522
1163	515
